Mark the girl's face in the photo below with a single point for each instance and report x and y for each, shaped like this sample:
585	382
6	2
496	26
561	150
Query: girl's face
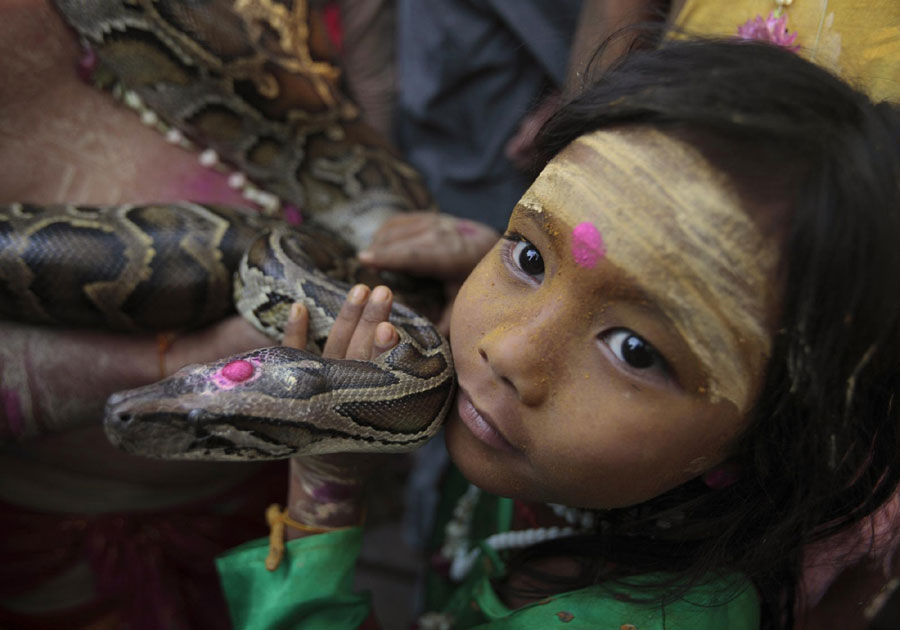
610	346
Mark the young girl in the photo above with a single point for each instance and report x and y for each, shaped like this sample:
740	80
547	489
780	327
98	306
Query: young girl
678	364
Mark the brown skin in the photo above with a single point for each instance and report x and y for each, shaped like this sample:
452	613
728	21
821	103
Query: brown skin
602	19
540	359
509	353
361	332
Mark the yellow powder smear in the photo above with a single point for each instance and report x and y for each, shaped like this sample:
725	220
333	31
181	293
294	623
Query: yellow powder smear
673	223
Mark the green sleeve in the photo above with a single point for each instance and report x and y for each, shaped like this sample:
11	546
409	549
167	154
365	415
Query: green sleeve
311	589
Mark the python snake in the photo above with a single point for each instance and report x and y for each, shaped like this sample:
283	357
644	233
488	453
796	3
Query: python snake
250	80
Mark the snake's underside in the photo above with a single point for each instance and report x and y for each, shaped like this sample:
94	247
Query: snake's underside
249	80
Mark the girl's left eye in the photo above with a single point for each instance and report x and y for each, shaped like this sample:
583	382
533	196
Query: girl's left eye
524	257
633	350
528	258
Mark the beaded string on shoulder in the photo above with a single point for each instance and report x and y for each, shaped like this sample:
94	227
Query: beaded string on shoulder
461	554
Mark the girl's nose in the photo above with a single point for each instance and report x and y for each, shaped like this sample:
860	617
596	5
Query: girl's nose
521	358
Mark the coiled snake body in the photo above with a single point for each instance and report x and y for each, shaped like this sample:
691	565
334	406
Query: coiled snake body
215	72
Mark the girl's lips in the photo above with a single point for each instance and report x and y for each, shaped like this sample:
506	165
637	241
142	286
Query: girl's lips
480	425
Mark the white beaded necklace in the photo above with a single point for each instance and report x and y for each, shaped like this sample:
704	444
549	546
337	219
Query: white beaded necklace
462	555
266	202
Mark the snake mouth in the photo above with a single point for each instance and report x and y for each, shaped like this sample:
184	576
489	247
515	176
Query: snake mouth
137	423
163	433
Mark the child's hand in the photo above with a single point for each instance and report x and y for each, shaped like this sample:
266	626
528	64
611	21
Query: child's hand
430	244
327	490
361	330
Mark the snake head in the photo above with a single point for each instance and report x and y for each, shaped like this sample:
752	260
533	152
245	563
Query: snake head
216	411
280	402
141	422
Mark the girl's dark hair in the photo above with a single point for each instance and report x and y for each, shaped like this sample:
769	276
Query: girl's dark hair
820	452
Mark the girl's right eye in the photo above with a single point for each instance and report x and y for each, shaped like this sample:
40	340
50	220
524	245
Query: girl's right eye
524	256
635	352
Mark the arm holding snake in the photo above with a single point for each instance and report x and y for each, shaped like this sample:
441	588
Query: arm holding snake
327	490
325	493
55	380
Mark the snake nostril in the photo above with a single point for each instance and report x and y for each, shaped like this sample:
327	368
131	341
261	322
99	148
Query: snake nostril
124	417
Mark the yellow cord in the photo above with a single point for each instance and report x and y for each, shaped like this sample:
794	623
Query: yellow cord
277	519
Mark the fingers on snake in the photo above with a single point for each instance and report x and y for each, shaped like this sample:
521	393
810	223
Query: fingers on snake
297	327
386	337
376	311
345	323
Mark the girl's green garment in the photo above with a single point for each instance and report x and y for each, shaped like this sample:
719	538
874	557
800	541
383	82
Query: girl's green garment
313	589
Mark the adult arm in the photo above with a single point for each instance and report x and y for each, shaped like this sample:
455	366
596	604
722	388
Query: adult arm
367	58
53	380
601	19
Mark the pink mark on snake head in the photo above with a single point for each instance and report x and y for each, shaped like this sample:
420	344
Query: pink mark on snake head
238	371
292	214
587	245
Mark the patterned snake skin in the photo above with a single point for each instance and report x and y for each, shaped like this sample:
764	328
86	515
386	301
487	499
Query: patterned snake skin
249	80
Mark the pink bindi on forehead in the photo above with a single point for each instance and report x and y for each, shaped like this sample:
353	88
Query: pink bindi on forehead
587	245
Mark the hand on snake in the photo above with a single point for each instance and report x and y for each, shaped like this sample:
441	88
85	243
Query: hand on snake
327	490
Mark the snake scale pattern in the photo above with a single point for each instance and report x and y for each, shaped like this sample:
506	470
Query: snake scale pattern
251	80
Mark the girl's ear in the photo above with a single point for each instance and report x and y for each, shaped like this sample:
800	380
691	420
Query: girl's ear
722	476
